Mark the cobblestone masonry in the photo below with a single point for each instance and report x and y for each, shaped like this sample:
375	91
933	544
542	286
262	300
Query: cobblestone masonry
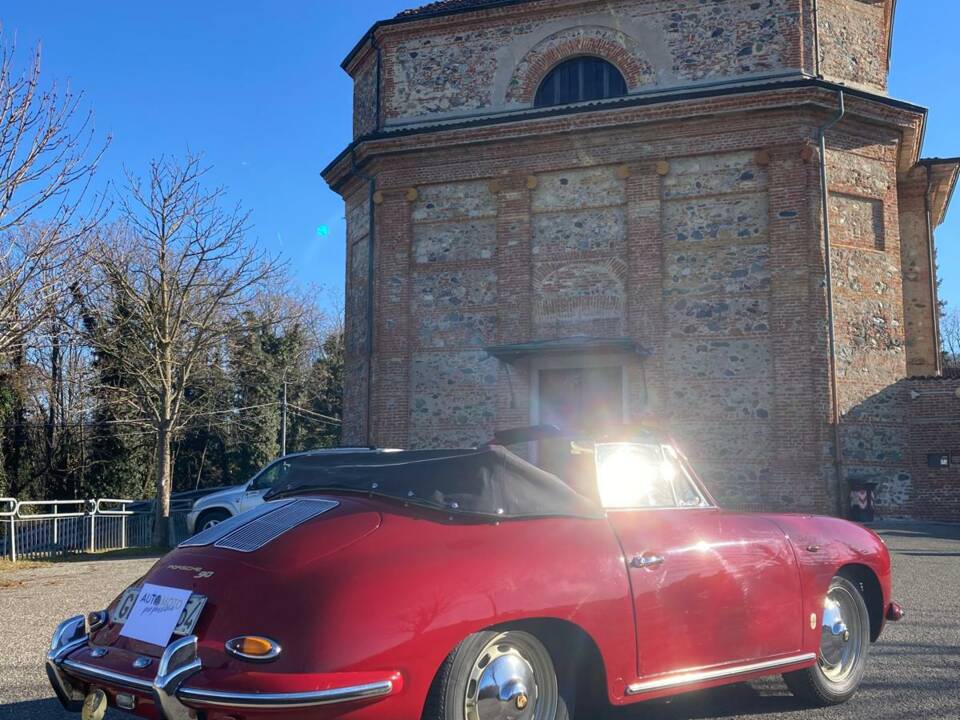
495	64
693	229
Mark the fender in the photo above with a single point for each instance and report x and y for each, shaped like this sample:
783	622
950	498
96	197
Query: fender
825	546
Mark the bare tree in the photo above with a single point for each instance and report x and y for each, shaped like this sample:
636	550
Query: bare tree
180	272
46	162
950	337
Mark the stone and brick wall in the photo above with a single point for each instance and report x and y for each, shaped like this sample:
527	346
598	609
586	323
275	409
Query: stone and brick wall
854	42
493	60
889	439
691	228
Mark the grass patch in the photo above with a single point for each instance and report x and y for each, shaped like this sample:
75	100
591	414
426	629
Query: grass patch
7	566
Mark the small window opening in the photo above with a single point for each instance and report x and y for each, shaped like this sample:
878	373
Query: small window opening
580	79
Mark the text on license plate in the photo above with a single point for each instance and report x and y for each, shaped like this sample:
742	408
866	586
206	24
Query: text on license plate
188	618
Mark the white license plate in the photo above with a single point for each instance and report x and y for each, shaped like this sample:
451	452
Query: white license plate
188	618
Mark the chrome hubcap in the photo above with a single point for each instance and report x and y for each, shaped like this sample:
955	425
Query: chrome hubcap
210	523
502	685
841	635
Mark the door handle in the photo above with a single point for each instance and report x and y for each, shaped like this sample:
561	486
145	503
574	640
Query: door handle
646	561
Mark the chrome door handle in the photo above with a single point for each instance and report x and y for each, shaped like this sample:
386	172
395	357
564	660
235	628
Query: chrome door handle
646	561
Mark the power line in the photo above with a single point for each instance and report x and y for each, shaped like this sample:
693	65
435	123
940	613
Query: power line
327	418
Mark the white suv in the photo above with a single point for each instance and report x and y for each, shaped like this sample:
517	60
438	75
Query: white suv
218	506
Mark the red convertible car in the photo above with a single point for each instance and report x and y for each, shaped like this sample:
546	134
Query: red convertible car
473	585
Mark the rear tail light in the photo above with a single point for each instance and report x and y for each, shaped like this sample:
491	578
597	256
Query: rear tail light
255	648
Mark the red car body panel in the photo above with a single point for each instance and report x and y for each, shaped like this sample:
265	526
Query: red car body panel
373	589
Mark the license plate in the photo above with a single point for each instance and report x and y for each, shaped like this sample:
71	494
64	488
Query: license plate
188	618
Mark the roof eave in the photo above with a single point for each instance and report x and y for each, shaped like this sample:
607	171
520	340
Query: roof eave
946	187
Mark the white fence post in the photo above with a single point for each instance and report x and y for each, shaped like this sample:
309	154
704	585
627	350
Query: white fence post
93	526
12	514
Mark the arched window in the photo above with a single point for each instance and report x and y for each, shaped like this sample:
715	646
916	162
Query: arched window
579	79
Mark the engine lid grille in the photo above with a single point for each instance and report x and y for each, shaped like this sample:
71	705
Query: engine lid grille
264	529
220	530
255	528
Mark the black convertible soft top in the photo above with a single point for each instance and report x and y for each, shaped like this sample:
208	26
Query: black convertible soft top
489	481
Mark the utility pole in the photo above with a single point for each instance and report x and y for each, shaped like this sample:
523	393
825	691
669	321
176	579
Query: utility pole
283	422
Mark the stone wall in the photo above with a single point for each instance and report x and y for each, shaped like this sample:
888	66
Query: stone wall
494	61
454	314
918	305
868	285
365	97
355	320
891	438
933	406
853	42
716	292
433	70
578	244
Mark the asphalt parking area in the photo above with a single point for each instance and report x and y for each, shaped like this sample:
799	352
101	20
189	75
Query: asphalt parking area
914	671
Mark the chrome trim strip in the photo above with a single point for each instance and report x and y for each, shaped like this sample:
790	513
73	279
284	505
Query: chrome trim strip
264	701
90	672
697	676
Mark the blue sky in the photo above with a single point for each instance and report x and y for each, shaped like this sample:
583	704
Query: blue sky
257	87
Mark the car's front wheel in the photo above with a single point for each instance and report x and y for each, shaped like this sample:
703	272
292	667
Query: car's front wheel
844	644
210	518
497	676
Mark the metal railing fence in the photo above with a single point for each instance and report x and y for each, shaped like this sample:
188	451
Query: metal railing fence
36	529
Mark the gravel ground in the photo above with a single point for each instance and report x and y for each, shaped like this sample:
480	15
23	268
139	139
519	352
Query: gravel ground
914	671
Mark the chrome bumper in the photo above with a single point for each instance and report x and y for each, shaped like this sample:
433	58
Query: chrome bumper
178	662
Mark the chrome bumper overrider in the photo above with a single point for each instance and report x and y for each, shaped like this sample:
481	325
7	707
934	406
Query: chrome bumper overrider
178	662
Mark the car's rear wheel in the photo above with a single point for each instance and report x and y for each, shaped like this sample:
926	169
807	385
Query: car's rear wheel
844	644
497	676
210	518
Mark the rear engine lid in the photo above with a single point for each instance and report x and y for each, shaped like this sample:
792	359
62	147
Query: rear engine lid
252	530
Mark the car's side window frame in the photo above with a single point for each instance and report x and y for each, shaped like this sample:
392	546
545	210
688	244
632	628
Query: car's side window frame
681	462
254	484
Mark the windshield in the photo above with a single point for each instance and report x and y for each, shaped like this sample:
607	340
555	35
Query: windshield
638	475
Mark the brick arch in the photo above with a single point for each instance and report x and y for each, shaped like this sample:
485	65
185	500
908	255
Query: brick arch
579	292
614	53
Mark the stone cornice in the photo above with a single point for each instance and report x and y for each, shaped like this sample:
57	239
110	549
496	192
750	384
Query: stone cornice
900	117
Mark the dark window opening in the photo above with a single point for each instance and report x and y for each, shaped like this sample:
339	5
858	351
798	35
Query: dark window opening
580	79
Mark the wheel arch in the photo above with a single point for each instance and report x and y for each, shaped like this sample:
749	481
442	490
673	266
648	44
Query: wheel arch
866	579
585	662
574	651
214	508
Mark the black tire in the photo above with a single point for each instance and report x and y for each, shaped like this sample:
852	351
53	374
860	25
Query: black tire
842	659
209	518
457	685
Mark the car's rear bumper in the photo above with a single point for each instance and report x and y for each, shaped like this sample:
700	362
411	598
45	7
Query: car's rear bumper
180	686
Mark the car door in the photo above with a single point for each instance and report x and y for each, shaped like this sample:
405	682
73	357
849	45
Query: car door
262	482
701	582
